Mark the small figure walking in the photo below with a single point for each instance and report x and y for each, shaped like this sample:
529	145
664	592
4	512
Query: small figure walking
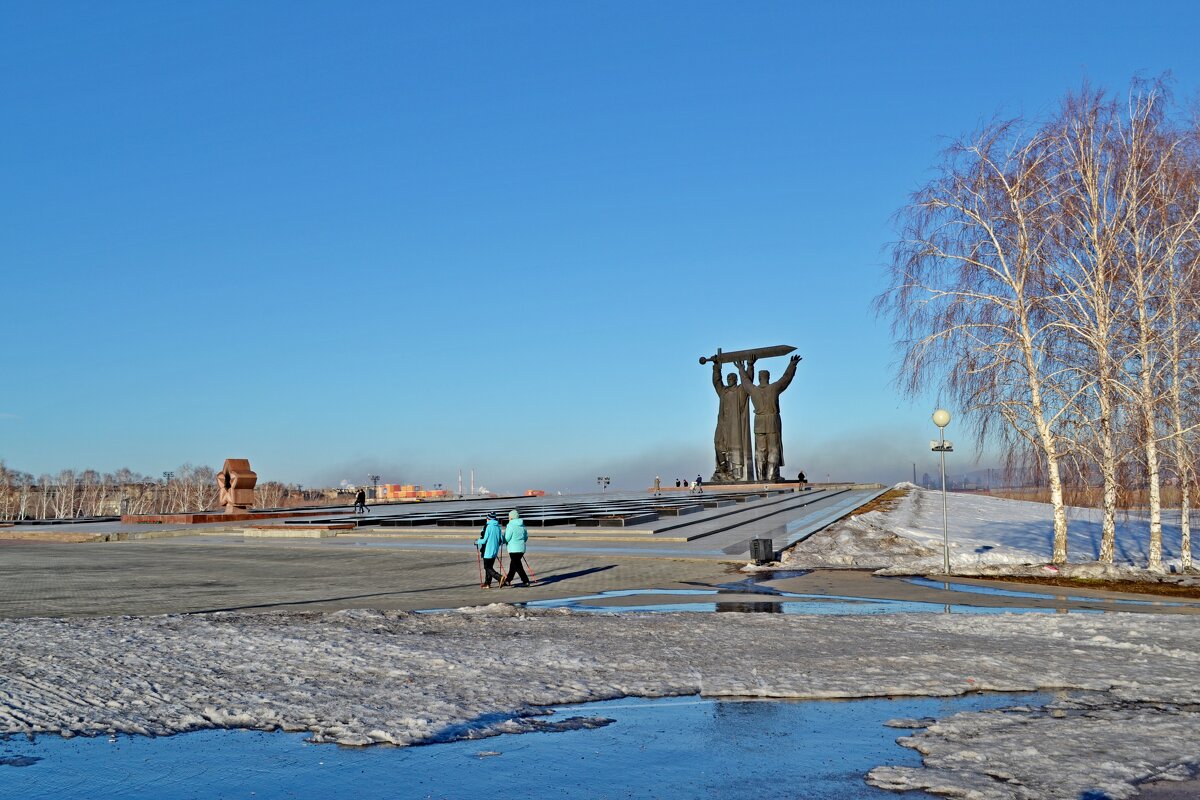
489	546
515	537
657	486
698	486
802	479
360	502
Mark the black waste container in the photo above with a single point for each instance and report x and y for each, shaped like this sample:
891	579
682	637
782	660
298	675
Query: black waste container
762	551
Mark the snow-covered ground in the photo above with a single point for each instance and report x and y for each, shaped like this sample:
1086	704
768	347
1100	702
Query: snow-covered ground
359	677
985	532
362	677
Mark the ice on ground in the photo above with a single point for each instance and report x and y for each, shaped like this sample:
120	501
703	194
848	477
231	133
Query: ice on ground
361	677
986	534
995	755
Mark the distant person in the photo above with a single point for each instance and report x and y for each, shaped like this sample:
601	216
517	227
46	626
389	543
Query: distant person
803	480
360	502
657	486
515	537
678	483
489	547
699	484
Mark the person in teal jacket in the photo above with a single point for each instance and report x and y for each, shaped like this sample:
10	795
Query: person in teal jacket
489	546
515	537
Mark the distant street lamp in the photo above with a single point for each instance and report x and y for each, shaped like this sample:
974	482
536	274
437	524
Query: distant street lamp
166	483
941	418
374	479
602	482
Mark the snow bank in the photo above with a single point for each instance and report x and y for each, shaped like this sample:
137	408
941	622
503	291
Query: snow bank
360	677
985	533
1068	750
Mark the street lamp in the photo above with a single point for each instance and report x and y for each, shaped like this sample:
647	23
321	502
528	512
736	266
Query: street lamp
602	482
167	476
374	479
941	418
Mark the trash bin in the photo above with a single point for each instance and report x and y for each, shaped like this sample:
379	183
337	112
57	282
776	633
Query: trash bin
762	551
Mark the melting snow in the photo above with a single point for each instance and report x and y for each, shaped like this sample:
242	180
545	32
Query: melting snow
987	534
362	677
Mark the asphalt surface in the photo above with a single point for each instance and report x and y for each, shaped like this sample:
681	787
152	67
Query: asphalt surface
40	579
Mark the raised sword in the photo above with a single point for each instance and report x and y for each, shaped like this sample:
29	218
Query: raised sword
747	355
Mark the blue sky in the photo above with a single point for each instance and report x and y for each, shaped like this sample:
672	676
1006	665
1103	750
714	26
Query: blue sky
409	238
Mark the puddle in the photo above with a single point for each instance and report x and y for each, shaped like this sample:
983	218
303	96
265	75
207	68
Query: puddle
988	590
781	603
673	747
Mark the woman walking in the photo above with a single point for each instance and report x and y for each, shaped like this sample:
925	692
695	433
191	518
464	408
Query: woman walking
515	537
489	545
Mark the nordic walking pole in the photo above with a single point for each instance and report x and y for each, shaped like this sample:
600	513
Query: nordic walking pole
529	569
479	563
500	555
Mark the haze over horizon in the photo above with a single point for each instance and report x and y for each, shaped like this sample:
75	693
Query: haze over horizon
407	240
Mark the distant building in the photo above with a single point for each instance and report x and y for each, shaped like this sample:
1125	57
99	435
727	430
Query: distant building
408	491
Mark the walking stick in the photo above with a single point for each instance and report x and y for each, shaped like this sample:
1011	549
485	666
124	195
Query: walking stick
479	563
500	556
529	569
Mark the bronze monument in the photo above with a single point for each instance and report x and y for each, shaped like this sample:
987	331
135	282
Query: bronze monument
236	482
732	439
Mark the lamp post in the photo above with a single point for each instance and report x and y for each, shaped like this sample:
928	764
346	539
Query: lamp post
941	418
603	482
167	489
374	479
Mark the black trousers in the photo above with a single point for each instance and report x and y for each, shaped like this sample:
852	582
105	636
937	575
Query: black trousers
489	571
515	567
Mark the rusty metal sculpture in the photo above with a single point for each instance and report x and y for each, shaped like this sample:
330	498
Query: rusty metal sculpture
236	481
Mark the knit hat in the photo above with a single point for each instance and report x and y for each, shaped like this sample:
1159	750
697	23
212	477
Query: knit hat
513	515
491	515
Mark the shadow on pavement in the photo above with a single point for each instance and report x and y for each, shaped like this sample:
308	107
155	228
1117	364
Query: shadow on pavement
566	576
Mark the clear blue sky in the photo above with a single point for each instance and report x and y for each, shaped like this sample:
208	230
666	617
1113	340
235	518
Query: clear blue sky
411	237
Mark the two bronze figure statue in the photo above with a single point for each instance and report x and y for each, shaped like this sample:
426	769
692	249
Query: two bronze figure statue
740	458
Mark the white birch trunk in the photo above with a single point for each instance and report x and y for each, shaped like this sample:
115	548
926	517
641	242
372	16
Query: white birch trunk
1049	446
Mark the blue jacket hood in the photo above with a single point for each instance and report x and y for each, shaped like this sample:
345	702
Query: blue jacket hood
490	539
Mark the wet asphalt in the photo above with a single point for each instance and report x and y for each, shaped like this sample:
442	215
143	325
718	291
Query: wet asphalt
200	575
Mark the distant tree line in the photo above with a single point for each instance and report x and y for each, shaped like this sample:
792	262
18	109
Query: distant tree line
1048	276
88	493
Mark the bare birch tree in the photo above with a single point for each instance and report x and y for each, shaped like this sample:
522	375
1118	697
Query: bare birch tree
1049	278
966	293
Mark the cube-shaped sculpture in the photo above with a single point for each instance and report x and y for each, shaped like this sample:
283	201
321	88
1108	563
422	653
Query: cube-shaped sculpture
236	481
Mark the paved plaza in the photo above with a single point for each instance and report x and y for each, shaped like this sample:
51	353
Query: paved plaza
385	561
715	525
186	575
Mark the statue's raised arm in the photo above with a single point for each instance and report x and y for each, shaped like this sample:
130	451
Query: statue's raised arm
744	369
788	373
717	376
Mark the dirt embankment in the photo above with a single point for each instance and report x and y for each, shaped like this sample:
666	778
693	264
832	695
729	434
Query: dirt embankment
1134	587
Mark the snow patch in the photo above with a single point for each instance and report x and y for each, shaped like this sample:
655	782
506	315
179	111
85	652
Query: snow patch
365	677
988	535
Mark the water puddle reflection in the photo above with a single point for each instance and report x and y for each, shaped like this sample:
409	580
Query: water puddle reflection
616	602
673	747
